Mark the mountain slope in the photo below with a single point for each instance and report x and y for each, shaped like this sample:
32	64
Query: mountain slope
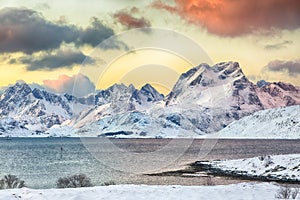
224	85
278	94
27	111
272	123
204	100
214	96
23	109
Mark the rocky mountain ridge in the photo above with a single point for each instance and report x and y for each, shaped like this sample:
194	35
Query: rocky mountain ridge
204	100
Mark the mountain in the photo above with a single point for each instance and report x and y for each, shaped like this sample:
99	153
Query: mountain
224	85
27	110
31	111
118	110
217	95
214	96
274	123
204	100
278	94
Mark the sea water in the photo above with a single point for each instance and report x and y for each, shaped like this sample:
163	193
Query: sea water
41	161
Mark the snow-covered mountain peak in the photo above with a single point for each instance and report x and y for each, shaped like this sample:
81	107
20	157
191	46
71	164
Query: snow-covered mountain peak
147	86
221	70
21	87
119	87
229	66
151	93
18	90
205	99
209	86
35	110
229	70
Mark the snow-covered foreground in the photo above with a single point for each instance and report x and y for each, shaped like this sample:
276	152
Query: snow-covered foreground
275	167
257	191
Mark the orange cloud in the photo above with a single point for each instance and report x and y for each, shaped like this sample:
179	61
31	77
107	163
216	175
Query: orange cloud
57	84
160	5
237	17
131	22
78	85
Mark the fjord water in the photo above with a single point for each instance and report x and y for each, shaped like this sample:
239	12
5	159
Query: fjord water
41	161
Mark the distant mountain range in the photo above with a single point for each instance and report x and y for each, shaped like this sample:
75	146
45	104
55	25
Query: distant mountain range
205	99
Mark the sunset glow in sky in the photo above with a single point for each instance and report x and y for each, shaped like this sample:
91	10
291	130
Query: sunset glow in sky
45	42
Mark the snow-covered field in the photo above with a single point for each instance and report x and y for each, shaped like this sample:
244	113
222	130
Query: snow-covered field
257	191
281	167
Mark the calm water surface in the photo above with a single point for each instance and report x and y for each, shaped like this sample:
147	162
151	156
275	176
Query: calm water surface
41	161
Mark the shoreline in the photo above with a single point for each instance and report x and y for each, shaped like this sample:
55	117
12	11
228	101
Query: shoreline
211	169
194	171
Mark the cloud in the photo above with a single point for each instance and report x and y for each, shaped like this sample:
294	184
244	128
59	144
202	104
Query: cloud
233	18
280	45
51	61
159	5
291	67
78	85
95	33
129	21
62	20
25	30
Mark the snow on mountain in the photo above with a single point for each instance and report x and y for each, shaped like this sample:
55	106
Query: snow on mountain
224	85
221	94
118	99
23	109
220	86
122	98
278	94
213	97
139	124
204	100
281	123
10	126
196	105
126	112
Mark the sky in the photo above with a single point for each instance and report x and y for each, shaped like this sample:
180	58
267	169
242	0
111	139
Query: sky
44	43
